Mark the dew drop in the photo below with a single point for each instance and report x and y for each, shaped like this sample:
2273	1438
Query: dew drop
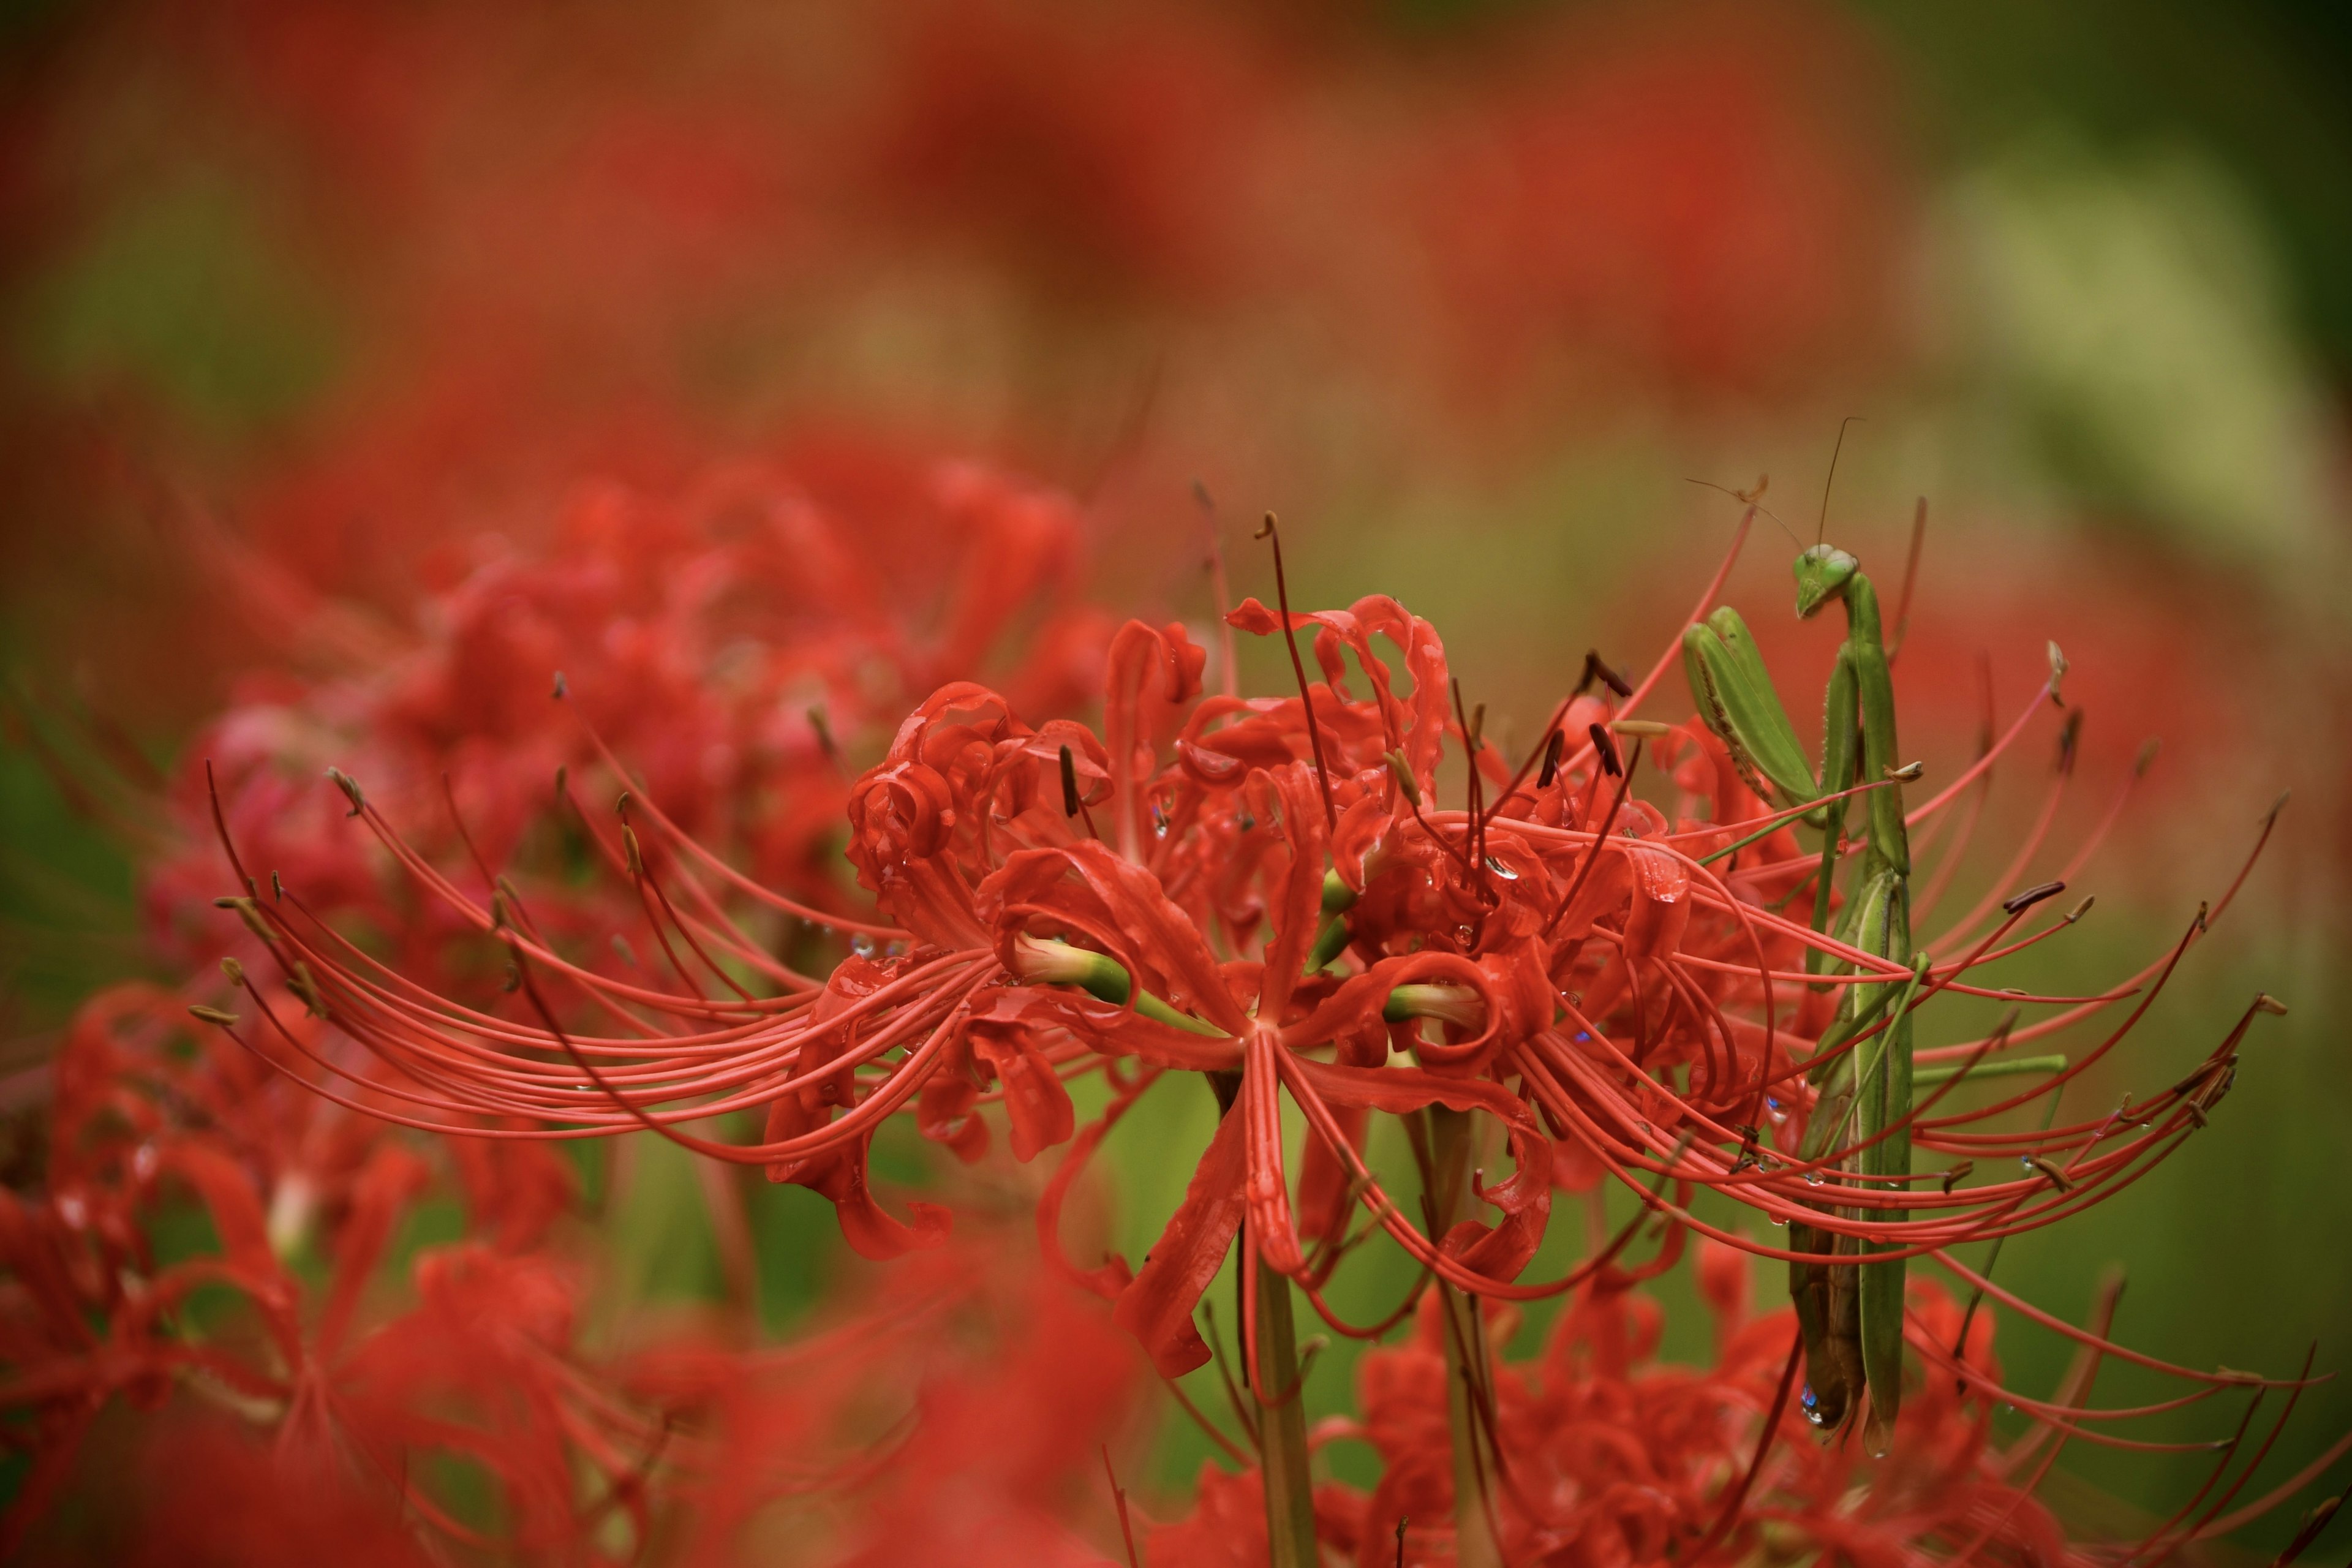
1779	1222
1813	1178
1582	1037
1812	1404
2025	1162
862	945
896	950
1501	870
1158	821
1775	1110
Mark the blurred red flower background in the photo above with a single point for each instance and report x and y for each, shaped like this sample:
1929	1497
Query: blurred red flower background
764	371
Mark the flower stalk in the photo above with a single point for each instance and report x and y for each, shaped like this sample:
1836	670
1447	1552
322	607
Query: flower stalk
1278	1384
1469	1379
1282	1425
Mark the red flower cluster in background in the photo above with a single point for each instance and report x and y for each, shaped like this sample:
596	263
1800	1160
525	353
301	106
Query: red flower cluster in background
285	1415
531	245
1610	1457
733	638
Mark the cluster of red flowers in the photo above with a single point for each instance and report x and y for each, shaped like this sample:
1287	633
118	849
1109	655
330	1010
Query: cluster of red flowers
1266	892
733	638
1611	1458
522	244
738	638
291	1418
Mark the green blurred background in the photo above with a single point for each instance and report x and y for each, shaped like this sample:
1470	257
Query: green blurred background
1466	290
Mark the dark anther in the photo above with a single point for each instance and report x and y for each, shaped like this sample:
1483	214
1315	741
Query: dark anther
2017	903
824	733
2057	1178
1553	746
1957	1174
563	689
2069	734
1069	784
1595	670
1608	750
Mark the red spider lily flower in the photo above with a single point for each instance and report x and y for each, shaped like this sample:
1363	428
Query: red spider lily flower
1271	894
962	833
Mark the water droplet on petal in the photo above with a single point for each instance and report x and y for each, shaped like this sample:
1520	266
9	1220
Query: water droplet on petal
862	945
1813	1178
1501	870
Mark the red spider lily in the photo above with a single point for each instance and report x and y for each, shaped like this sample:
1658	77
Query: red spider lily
1588	962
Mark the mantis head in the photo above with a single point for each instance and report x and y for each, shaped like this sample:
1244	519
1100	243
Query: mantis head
1823	574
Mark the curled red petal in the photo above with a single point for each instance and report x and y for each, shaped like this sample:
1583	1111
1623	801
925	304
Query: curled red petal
1157	1309
1035	1099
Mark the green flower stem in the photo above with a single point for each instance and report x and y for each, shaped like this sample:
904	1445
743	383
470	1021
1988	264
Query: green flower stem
1281	1423
1469	1376
1282	1428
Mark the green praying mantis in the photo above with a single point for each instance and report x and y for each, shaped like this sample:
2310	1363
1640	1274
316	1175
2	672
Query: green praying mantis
1849	1313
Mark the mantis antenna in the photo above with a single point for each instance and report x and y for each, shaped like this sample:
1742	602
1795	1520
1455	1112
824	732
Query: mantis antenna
1821	531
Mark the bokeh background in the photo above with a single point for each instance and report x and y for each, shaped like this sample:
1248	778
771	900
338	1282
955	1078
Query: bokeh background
1468	292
